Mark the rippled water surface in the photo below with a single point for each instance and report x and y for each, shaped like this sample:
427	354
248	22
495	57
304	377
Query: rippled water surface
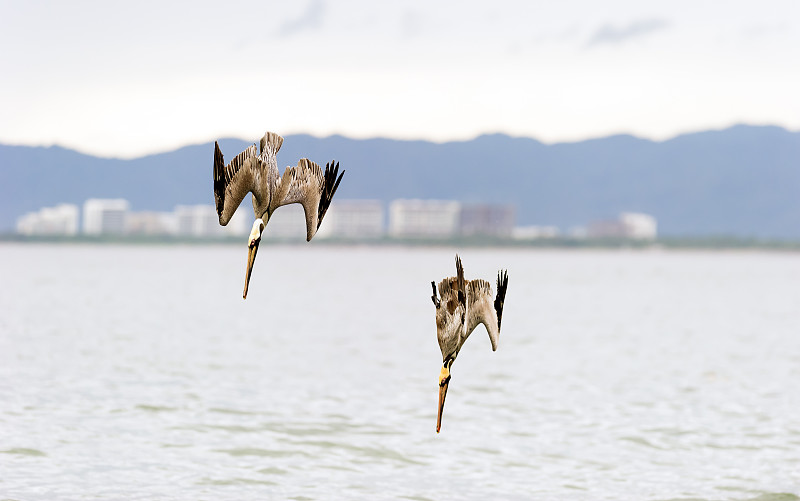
137	372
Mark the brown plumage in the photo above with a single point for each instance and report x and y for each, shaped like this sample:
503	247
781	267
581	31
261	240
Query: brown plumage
235	180
256	171
307	185
464	304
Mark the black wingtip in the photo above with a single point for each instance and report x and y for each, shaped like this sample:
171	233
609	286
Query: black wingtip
329	187
462	294
218	158
334	175
434	298
219	179
502	285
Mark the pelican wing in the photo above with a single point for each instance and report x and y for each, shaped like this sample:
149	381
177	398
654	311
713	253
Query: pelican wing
484	309
233	181
451	312
307	185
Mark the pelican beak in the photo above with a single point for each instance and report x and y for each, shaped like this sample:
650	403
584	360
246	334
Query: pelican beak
251	258
444	381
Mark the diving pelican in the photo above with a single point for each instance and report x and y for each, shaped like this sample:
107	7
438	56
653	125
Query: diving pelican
463	305
257	172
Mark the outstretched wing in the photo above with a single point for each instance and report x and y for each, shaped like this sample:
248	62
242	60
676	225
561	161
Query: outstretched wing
307	185
233	181
484	309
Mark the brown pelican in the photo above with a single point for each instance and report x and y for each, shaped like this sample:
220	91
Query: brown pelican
464	304
257	172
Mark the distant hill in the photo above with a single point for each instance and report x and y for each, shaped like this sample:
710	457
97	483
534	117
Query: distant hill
742	181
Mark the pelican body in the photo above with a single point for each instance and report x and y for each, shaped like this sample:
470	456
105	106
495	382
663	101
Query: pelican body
256	171
463	305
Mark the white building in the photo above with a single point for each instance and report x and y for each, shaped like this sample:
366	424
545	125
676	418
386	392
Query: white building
152	223
630	225
196	220
241	222
489	220
105	216
288	223
424	218
639	226
534	232
353	219
202	221
59	220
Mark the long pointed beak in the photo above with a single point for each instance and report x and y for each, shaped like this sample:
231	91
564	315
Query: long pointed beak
444	382
251	258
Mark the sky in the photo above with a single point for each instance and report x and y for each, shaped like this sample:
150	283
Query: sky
125	79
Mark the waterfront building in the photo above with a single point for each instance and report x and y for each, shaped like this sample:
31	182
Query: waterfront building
353	219
152	223
62	219
288	223
534	232
105	216
629	225
424	218
489	220
202	221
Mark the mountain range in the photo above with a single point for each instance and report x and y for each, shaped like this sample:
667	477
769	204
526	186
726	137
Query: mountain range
741	181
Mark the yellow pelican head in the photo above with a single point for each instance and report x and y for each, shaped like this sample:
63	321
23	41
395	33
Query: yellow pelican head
444	381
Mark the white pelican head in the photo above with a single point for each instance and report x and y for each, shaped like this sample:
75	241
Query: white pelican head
252	244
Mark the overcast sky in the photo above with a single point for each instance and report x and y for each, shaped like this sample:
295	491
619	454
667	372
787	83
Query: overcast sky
131	78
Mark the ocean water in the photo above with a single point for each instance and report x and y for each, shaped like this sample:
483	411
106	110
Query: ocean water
138	372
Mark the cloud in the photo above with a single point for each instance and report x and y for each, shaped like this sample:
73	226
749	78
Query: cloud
308	20
754	31
411	24
608	34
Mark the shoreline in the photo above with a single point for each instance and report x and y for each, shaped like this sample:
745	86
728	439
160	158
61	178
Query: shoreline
686	243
